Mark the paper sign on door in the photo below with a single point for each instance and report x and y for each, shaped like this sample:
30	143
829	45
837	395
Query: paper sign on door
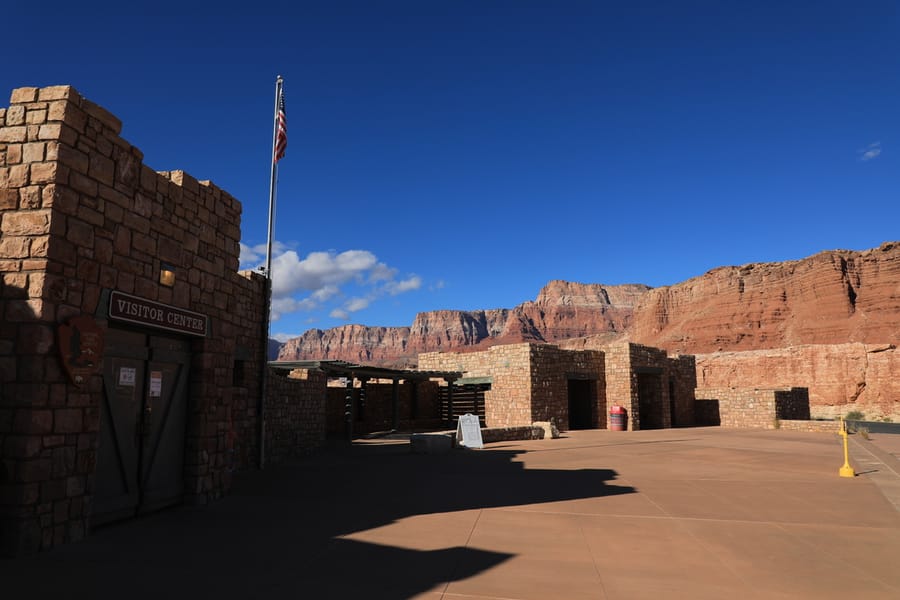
155	384
126	376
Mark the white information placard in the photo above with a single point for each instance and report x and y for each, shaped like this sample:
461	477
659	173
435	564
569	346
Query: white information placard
468	432
127	376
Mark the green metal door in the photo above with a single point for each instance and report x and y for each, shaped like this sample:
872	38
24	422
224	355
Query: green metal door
140	459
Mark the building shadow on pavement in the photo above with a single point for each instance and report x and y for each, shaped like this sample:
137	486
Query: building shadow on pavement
289	531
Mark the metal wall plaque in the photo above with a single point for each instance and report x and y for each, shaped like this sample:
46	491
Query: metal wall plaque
131	309
80	348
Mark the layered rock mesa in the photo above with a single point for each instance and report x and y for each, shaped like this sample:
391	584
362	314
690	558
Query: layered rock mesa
562	310
833	297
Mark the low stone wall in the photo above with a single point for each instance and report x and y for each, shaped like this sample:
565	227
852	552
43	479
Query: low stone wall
749	408
810	426
509	434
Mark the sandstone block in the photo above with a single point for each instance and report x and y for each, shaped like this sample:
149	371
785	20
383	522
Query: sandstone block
15	115
36	116
102	115
9	199
35	222
102	169
17	176
58	92
30	197
11	135
74	159
80	233
33	422
31	471
13	154
58	131
43	173
23	94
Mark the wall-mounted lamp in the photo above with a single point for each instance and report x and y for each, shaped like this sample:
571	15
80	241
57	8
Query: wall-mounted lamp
166	274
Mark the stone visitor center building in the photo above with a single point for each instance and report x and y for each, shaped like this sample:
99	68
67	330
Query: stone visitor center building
131	362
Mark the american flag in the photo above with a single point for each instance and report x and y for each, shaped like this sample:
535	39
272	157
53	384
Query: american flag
281	134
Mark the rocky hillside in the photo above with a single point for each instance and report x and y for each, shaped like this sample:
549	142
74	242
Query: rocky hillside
833	297
562	310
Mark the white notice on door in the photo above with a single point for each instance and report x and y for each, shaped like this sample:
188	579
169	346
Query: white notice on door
126	376
155	384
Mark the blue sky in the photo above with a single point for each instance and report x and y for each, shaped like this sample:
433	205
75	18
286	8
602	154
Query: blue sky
461	154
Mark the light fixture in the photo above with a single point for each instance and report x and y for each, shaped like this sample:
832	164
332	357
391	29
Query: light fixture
166	274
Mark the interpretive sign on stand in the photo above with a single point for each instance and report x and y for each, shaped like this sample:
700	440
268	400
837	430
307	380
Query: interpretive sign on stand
468	432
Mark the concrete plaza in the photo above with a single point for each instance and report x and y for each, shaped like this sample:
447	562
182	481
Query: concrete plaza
677	513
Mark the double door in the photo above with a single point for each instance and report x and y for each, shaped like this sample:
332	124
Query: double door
140	459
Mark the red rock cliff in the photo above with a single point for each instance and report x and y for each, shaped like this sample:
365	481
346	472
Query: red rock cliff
833	297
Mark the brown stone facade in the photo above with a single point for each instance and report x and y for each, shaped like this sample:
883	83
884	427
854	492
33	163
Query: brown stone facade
83	219
529	382
539	382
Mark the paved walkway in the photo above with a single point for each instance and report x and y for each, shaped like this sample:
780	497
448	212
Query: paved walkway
684	513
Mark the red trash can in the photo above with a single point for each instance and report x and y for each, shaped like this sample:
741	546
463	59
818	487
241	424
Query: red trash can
618	418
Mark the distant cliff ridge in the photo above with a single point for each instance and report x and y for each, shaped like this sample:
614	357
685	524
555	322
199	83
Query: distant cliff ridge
833	297
562	310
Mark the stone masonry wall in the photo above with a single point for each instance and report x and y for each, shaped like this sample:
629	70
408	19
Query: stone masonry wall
295	414
529	382
508	403
619	381
551	369
682	371
80	214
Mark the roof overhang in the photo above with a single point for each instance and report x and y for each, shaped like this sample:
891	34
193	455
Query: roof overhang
339	368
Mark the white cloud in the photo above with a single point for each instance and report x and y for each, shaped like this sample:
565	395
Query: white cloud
339	313
869	152
357	304
437	285
281	306
382	272
398	287
253	257
326	293
290	273
283	337
323	280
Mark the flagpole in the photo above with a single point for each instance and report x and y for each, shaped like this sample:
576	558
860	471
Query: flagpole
261	410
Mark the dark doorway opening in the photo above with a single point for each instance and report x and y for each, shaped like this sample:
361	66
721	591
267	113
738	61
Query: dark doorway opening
650	401
581	404
673	409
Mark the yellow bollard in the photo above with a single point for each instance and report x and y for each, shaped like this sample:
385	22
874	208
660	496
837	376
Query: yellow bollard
846	470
